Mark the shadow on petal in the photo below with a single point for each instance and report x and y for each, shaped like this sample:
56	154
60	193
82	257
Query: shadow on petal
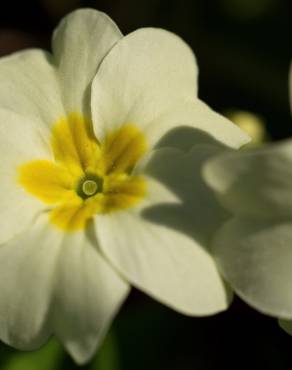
177	164
186	137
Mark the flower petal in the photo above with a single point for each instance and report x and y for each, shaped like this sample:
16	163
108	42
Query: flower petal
20	141
142	76
195	115
27	266
256	257
161	247
88	293
29	86
80	42
66	288
163	263
255	182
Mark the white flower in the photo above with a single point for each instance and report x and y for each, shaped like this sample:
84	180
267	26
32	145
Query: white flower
254	248
90	197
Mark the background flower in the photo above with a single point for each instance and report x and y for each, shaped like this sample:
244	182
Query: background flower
253	247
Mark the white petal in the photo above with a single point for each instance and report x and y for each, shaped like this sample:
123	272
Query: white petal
56	282
88	293
20	141
29	86
27	266
256	259
286	325
80	42
143	75
194	117
164	263
162	249
255	182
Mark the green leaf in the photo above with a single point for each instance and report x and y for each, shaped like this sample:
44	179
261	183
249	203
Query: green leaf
47	358
107	357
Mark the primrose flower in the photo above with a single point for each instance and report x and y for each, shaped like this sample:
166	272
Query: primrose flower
253	248
93	198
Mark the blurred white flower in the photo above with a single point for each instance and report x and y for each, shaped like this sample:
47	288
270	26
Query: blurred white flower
254	248
91	198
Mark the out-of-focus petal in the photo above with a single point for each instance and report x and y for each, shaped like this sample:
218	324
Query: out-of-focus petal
256	257
254	182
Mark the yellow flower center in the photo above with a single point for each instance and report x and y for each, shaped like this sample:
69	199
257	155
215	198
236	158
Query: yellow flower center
86	176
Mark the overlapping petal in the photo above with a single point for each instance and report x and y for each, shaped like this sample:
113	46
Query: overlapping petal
195	115
30	83
87	295
198	213
255	183
154	69
80	43
161	247
164	263
154	86
51	282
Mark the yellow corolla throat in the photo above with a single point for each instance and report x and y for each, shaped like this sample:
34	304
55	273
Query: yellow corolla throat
87	176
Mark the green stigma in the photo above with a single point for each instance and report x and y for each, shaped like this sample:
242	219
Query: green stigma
90	185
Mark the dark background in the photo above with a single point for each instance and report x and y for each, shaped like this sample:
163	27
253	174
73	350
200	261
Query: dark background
243	49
